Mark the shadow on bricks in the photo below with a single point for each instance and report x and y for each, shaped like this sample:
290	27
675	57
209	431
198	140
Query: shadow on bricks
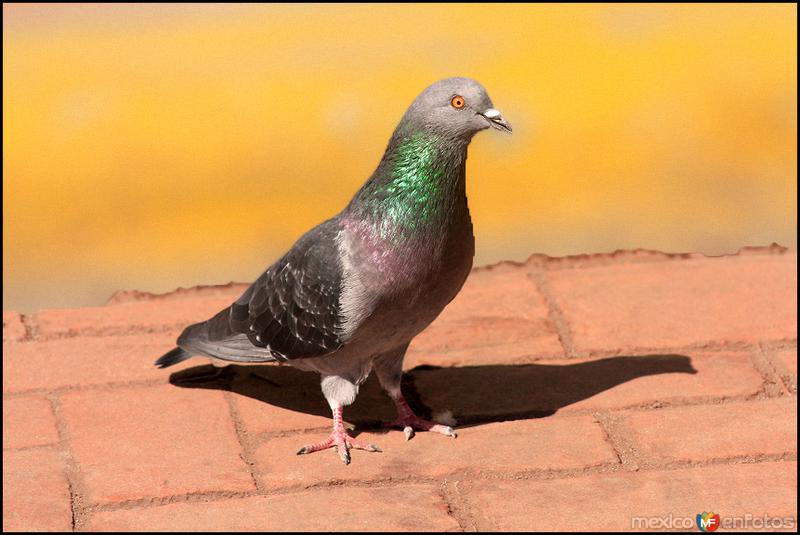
473	394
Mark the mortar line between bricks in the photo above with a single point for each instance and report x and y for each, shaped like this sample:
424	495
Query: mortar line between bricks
245	444
682	464
329	485
50	445
127	330
83	388
460	475
787	379
72	471
221	495
772	346
554	312
677	403
620	439
709	346
771	382
457	506
31	327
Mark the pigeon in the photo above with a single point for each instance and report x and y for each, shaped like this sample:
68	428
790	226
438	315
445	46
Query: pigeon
352	292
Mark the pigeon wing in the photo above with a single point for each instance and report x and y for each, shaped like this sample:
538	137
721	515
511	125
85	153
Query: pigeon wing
293	309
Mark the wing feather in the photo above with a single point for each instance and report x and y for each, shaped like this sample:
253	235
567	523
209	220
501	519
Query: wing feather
293	308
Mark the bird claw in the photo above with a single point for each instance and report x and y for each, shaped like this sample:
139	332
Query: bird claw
445	430
343	454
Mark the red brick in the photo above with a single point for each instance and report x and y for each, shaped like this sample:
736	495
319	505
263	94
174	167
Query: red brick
569	385
539	444
675	304
35	491
85	361
607	502
705	432
154	441
28	422
498	317
130	318
260	417
408	508
273	398
13	328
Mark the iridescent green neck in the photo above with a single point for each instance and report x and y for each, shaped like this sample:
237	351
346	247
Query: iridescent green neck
415	186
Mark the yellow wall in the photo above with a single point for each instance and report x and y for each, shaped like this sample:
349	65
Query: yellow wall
155	146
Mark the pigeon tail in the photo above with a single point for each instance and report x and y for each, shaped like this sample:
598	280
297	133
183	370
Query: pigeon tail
173	357
215	339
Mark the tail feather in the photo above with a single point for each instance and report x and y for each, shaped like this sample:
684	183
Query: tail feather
173	357
215	339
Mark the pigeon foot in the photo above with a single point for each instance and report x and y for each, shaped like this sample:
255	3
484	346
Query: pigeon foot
415	423
410	422
340	440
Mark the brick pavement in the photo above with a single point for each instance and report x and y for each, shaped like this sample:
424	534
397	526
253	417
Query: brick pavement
587	390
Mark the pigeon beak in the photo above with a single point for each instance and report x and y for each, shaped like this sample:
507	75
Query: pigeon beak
496	120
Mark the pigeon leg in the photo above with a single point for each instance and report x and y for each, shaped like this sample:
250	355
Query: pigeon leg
389	369
409	422
338	439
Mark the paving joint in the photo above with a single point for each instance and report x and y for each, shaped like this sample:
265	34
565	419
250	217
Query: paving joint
72	471
554	313
245	443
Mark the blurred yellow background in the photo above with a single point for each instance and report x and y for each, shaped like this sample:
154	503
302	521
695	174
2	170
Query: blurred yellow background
157	146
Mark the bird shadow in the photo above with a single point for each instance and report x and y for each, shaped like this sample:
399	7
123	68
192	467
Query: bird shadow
475	395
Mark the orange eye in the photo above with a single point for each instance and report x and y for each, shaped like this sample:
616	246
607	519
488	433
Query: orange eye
457	102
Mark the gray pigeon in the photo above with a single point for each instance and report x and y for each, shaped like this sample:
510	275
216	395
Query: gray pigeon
350	295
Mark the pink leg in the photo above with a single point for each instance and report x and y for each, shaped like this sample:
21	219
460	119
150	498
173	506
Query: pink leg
408	421
338	439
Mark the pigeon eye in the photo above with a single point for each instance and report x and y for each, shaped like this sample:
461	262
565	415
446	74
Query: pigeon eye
457	102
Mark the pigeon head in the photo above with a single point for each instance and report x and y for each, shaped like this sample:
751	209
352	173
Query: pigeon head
454	108
420	180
